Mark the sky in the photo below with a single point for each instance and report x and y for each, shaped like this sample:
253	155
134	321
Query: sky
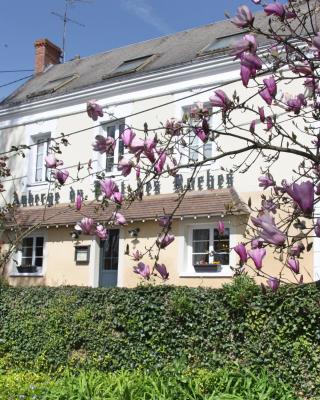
108	24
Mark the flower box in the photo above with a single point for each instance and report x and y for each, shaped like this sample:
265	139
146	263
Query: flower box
27	269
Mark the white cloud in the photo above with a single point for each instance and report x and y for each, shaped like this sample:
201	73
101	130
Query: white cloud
145	12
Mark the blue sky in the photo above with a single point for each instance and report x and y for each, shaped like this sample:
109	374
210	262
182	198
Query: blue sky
108	24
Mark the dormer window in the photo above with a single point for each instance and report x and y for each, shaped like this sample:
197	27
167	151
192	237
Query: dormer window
222	43
53	85
133	65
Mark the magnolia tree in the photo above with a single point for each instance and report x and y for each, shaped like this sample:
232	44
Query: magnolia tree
285	49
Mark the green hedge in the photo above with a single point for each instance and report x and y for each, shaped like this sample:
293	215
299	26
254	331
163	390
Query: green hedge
47	329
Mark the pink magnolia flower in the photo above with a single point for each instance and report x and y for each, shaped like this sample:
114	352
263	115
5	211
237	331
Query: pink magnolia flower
269	233
164	240
316	41
220	99
104	144
162	270
266	181
51	161
143	270
165	221
117	197
87	226
276	9
295	104
317	228
269	205
244	17
127	136
303	68
78	202
94	110
257	242
102	232
136	146
125	166
252	127
201	134
61	175
247	44
273	283
293	264
108	187
136	255
303	195
240	249
269	123
250	64
160	163
173	127
257	256
270	90
312	85
221	228
296	249
119	218
261	114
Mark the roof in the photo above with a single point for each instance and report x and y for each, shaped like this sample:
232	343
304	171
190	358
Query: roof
196	203
170	51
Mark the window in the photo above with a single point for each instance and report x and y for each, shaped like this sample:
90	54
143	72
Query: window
111	251
38	172
114	131
198	150
209	249
53	86
222	43
82	255
128	66
31	255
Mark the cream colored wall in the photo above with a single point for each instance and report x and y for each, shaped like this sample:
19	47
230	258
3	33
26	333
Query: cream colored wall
59	265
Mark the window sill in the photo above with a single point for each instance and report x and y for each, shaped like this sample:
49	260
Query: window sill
26	274
37	184
212	274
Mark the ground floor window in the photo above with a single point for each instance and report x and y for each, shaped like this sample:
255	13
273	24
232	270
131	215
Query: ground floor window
32	255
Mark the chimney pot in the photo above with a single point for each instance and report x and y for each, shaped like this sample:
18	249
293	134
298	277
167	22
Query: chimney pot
46	53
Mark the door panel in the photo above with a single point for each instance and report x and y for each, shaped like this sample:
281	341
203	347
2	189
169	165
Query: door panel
109	258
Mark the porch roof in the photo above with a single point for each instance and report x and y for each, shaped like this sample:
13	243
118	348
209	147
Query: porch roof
194	204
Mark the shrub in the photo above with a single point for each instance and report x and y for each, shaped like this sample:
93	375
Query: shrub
49	329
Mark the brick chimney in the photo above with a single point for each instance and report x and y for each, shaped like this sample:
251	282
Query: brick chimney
46	53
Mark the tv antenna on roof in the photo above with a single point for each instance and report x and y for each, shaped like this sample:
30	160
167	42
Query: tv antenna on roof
65	20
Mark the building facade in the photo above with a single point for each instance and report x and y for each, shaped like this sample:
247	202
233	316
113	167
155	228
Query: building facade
148	82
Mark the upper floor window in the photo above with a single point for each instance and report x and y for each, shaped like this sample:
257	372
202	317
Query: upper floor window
38	171
198	150
114	130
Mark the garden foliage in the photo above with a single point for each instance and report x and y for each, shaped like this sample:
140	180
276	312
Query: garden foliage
51	329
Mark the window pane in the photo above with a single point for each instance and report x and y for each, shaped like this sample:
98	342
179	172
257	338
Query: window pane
201	234
199	259
39	251
27	242
109	162
25	262
222	258
38	261
111	250
27	252
39	241
111	131
207	150
120	144
200	247
225	236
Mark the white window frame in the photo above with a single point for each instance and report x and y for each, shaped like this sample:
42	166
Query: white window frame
102	158
34	157
17	258
192	137
187	269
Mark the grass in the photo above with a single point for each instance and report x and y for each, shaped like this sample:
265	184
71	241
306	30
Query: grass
223	384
